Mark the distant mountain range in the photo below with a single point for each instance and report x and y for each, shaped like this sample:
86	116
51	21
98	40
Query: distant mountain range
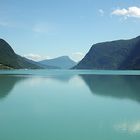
114	55
63	62
10	60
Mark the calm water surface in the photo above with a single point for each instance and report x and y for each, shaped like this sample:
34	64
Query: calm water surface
69	105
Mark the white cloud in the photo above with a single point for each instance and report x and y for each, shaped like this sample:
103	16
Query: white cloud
2	23
8	24
35	57
101	11
77	56
129	127
129	12
40	28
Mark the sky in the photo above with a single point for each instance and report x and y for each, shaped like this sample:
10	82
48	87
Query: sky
44	29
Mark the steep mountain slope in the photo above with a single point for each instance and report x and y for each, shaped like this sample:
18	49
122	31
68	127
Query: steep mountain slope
9	58
120	54
63	62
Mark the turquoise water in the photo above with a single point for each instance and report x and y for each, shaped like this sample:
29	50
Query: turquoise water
69	105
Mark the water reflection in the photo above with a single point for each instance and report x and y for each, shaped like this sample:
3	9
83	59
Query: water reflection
61	78
118	86
126	86
7	84
128	127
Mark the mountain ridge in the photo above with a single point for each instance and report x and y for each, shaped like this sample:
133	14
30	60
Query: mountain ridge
62	62
112	55
8	58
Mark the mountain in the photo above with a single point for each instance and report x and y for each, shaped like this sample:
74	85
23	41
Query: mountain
114	55
4	67
41	65
9	59
63	62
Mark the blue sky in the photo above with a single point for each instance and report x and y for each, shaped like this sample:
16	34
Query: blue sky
41	29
